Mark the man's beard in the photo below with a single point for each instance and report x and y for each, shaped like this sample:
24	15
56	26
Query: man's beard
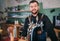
35	12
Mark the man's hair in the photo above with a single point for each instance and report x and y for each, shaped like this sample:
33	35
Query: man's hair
33	2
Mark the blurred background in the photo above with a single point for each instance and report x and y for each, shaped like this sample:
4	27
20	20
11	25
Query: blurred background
12	11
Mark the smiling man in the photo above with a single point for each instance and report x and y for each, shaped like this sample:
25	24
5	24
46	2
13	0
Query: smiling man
37	18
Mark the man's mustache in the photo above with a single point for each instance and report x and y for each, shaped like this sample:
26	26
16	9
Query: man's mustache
33	9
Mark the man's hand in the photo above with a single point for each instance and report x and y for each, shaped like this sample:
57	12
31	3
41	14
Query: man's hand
22	37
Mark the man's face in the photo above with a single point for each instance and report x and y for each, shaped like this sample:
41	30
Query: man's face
34	7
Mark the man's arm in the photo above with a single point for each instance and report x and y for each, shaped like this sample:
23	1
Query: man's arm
47	23
24	32
50	29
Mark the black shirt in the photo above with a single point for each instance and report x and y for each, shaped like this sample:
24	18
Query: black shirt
47	24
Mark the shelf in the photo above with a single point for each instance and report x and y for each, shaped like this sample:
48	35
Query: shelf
20	11
3	21
17	17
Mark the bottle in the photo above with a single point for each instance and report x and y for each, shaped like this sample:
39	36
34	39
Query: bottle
16	21
15	29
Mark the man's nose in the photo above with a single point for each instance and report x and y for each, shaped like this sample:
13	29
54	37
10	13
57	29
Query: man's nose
34	8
